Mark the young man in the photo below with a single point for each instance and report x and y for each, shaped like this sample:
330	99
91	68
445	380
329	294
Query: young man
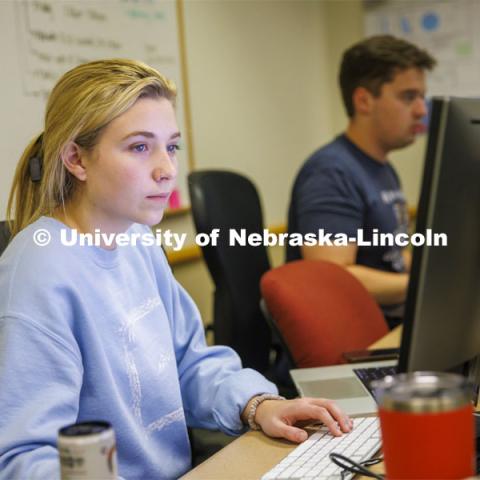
349	184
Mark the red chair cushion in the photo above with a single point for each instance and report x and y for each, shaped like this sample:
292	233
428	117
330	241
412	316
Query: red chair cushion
322	311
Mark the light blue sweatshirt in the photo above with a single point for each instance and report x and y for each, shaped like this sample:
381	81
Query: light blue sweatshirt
90	334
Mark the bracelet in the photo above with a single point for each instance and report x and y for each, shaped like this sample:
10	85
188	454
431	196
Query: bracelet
253	408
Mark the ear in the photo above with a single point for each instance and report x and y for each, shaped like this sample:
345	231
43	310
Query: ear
362	101
73	158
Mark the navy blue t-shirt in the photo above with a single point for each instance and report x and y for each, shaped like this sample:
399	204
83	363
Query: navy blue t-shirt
341	189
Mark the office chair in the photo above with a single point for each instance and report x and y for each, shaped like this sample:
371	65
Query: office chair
228	200
4	236
321	310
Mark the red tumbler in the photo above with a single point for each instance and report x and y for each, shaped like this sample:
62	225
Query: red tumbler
427	425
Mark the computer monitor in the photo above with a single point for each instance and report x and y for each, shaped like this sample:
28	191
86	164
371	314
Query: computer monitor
442	312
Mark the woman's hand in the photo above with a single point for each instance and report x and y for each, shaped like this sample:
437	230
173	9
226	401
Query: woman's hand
278	417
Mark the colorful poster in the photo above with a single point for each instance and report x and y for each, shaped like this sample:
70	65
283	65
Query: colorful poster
446	28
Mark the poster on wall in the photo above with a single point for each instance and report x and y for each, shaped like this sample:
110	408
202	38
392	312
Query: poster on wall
446	28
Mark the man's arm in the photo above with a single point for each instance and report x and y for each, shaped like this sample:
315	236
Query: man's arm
386	287
407	258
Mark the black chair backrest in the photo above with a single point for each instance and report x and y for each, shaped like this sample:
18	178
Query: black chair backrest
229	201
4	236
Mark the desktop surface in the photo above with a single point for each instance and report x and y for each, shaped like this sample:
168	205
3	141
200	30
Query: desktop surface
249	456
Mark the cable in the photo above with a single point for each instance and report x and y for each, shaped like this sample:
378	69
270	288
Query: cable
350	466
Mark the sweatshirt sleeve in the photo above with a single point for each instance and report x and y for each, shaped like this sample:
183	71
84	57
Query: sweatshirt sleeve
40	378
215	388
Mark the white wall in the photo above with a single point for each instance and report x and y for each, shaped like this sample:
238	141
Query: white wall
259	95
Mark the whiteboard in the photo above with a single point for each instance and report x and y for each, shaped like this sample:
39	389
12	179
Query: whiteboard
42	39
448	29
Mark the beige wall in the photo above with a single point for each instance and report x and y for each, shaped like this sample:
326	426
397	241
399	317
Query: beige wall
263	87
344	27
257	85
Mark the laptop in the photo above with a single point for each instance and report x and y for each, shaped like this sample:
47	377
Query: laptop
339	383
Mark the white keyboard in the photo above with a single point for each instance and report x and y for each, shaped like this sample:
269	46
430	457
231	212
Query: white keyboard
310	459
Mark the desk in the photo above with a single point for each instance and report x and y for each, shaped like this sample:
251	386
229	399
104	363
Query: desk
253	454
390	340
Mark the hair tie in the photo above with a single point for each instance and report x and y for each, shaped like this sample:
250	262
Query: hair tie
36	162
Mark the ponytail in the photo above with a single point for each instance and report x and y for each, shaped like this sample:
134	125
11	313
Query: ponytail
24	195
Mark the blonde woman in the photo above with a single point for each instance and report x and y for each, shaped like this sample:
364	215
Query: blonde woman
105	332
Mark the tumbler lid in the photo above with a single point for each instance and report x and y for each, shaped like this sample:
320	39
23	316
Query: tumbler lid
423	392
